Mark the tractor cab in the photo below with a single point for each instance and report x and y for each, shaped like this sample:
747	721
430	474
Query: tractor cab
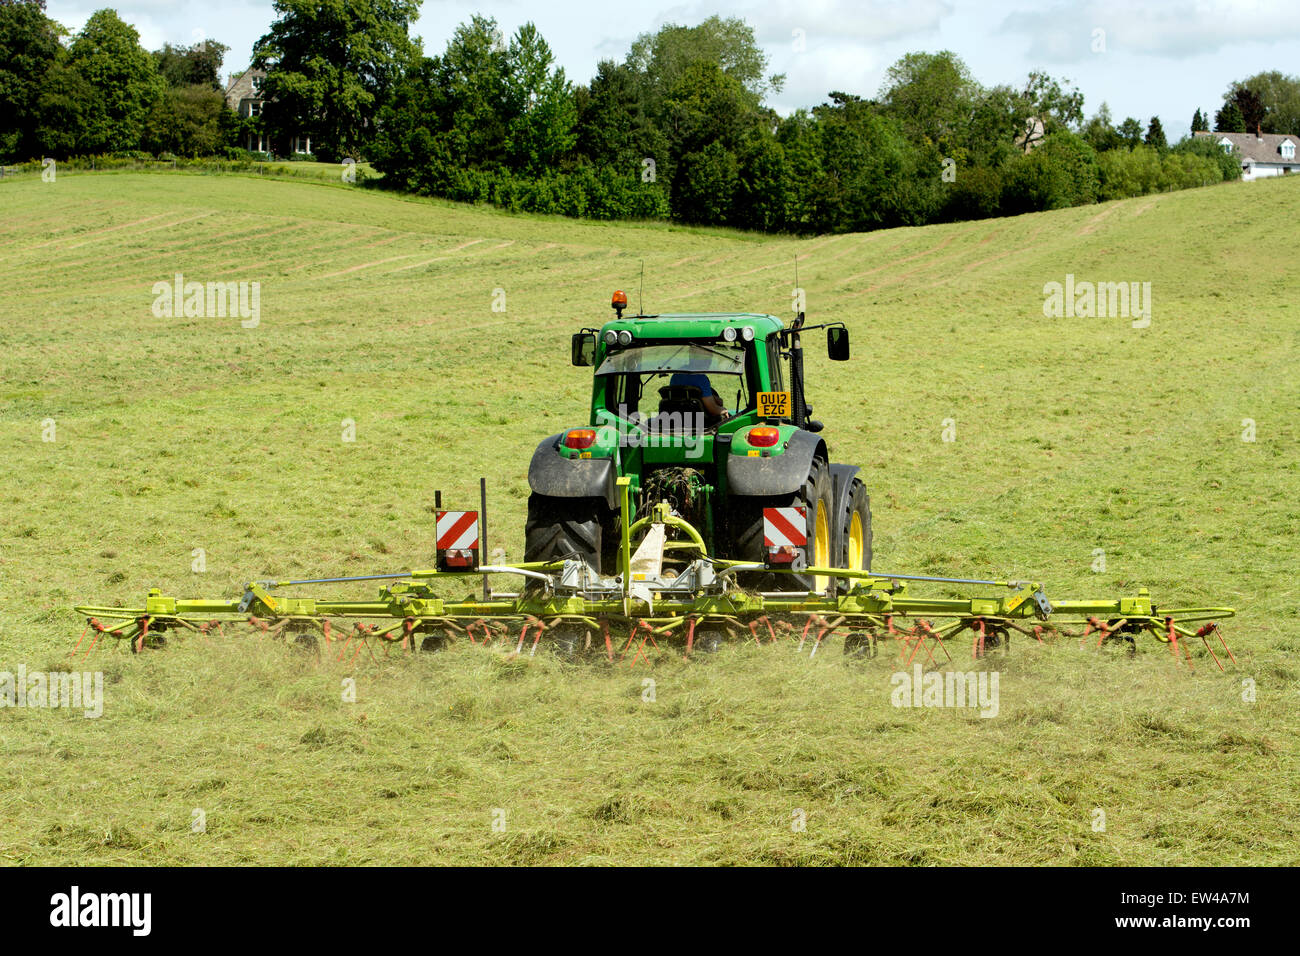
704	411
710	367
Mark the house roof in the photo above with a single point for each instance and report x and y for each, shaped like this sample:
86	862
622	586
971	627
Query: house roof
1264	148
244	80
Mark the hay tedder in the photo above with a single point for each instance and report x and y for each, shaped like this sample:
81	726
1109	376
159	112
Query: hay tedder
680	516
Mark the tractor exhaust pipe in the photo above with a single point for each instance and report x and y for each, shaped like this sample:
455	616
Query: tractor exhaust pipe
798	410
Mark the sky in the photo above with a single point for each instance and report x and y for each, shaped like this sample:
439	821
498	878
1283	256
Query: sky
1141	57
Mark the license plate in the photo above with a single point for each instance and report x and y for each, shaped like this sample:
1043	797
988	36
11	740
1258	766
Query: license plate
773	404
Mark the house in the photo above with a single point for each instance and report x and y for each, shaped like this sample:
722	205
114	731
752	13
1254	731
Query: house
1033	135
244	96
1262	154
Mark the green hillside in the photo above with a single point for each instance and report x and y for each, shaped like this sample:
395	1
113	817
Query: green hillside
1072	434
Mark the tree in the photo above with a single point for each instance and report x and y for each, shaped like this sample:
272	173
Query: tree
197	65
706	105
1062	172
539	103
999	118
1251	106
331	68
661	58
108	55
1057	106
801	146
1128	172
930	95
873	177
614	128
480	107
1199	123
1229	119
409	147
1131	132
29	49
762	194
704	190
1280	96
187	121
64	107
1227	163
1156	136
1100	134
447	115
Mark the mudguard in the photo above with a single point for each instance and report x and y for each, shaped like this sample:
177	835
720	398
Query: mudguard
550	473
779	475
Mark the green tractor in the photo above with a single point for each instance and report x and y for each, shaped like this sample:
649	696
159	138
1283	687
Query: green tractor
705	411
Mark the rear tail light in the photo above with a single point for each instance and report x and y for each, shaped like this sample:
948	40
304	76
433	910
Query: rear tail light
580	438
762	437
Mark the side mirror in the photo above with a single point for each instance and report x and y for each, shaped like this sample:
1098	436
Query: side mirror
837	344
584	348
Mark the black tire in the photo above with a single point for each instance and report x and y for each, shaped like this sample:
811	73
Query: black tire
304	641
568	640
709	640
859	644
857	505
568	527
747	536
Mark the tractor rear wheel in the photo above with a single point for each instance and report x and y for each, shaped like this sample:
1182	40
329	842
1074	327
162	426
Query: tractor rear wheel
747	540
855	548
559	528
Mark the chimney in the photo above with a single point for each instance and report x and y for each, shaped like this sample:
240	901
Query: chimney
1258	135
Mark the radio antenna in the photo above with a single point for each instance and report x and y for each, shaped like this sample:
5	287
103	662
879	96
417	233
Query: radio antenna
640	295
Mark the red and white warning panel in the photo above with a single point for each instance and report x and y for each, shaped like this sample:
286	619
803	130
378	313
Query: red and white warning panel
785	534
457	539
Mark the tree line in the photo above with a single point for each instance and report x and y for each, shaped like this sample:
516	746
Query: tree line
679	129
99	92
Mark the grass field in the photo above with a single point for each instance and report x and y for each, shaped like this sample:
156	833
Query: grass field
1072	434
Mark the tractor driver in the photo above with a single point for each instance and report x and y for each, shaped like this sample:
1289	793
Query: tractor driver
714	411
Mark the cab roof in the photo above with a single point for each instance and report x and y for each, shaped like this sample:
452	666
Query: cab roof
689	325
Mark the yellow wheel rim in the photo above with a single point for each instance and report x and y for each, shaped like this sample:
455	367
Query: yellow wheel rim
855	542
821	547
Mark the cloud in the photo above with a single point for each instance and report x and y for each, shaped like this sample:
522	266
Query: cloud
774	22
1066	31
825	65
821	45
871	21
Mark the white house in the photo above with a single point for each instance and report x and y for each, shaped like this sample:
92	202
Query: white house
1262	154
